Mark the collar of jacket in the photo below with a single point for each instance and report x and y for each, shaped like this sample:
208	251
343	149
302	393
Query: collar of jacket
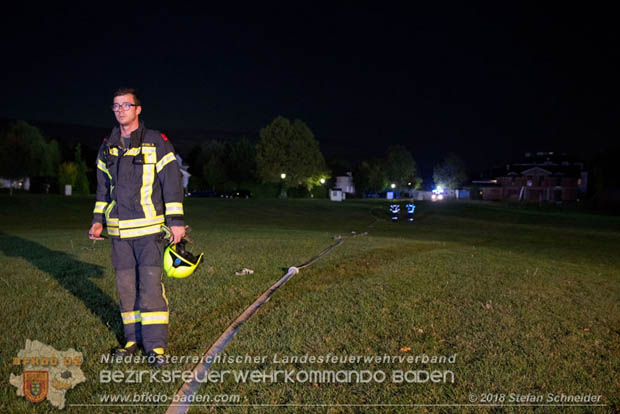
134	142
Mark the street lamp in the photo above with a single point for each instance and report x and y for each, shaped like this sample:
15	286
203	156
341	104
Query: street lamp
283	186
322	180
393	185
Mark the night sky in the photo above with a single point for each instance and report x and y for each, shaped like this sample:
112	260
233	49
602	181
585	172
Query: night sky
487	82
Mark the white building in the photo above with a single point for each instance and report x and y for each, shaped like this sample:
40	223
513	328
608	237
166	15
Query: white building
184	172
345	183
336	194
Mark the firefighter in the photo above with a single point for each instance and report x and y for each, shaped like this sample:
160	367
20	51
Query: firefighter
139	189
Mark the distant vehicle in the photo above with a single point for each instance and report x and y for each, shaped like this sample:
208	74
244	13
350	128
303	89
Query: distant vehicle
437	194
202	194
240	193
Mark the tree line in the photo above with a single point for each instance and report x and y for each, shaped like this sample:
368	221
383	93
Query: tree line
24	152
286	160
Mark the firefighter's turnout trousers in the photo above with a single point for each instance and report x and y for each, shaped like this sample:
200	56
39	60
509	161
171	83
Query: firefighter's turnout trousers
144	308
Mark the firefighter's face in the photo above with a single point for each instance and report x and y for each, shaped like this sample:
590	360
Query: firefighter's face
126	117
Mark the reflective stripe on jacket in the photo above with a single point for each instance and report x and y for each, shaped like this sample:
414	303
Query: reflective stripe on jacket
140	188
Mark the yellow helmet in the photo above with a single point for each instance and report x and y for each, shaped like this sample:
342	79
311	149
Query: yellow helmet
178	262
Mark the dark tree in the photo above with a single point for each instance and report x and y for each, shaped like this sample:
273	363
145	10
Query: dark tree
369	177
399	166
451	173
25	152
289	148
214	169
14	158
81	185
242	161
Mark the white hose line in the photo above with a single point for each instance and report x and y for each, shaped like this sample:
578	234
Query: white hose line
187	391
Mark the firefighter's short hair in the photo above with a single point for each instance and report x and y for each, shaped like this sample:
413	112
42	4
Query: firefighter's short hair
127	91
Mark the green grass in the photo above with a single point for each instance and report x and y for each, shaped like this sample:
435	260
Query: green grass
527	298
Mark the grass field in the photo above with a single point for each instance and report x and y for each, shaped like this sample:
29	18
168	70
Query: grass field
528	300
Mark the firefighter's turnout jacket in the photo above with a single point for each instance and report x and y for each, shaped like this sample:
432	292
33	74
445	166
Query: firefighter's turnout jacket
138	188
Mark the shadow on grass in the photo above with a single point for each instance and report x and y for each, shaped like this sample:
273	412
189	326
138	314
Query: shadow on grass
71	274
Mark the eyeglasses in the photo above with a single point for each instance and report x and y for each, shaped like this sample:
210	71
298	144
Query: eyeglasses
126	105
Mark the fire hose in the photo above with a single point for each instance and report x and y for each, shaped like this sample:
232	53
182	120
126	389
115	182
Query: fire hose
201	369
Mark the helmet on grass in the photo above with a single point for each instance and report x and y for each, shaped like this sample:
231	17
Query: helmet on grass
178	262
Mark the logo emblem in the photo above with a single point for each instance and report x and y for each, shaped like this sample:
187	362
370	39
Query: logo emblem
36	385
